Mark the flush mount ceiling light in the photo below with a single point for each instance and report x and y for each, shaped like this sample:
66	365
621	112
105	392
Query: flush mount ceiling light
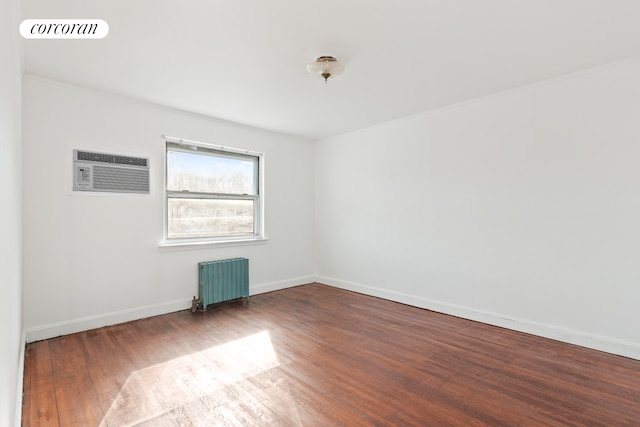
325	67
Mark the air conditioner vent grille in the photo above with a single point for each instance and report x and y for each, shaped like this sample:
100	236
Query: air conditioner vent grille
120	180
111	159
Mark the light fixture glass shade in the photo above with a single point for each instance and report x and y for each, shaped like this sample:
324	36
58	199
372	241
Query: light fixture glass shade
325	67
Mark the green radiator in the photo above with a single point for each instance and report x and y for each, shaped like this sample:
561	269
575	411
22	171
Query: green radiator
223	280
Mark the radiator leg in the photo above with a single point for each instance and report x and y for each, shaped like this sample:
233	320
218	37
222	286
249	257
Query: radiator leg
196	305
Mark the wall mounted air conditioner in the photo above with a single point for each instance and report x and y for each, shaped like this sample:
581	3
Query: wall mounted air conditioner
110	173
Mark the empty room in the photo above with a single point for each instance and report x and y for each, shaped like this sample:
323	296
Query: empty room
289	213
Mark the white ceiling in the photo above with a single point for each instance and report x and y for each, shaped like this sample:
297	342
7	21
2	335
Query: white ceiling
245	60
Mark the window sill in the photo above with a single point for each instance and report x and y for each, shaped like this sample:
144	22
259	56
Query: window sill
169	246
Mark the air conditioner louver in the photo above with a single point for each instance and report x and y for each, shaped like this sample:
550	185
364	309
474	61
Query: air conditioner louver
110	173
111	158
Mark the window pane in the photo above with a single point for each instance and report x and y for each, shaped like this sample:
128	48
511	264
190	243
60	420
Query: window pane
205	173
209	217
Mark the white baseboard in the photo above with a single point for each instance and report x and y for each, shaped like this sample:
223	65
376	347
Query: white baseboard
91	322
609	345
606	344
19	396
284	284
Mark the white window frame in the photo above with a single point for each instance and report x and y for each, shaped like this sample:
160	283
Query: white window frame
192	147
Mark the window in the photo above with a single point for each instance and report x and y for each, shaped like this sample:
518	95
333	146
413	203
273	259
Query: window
212	193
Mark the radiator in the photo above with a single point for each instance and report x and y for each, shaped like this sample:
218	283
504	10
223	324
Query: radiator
223	280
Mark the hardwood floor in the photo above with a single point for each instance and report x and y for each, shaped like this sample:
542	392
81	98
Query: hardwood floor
319	356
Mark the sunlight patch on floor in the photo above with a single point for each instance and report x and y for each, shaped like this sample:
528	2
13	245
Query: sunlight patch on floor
220	383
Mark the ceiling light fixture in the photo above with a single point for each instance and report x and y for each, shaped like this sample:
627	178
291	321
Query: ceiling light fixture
325	67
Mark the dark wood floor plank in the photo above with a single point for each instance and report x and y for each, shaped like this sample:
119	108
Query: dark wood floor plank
319	356
75	392
40	409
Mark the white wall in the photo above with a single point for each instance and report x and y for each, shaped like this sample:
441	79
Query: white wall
11	337
93	259
520	210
